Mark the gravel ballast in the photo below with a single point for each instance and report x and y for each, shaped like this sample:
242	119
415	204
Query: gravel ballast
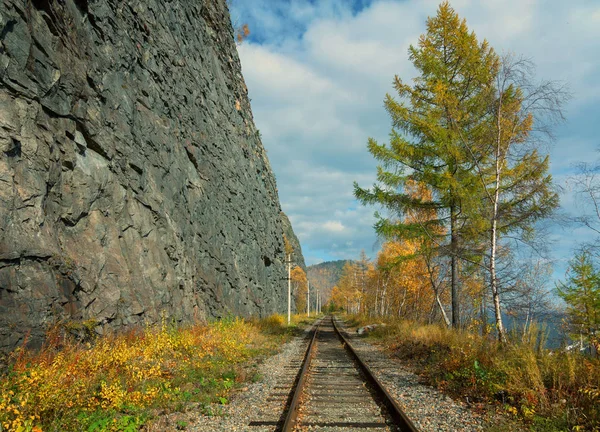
259	406
428	408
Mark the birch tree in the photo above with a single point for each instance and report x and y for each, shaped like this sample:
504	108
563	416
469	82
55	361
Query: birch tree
518	189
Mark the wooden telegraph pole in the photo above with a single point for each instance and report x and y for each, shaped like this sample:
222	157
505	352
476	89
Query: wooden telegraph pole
320	302
318	295
308	298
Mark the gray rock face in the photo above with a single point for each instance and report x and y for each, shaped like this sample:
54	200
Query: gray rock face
288	232
132	179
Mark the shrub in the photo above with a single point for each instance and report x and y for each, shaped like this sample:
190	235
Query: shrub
74	385
543	388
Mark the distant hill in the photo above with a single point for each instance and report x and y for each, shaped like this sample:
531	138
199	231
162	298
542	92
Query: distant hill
326	275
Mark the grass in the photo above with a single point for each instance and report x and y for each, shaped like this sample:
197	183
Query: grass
542	390
118	382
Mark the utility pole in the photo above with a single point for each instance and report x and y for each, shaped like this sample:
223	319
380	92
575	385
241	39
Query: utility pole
289	288
320	302
308	298
318	295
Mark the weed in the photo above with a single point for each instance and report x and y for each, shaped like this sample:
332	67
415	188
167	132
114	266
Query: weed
113	382
546	390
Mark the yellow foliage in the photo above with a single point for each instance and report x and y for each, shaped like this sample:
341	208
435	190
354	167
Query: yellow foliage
299	288
534	382
134	368
273	321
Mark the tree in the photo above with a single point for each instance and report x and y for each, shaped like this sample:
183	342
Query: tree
437	126
517	188
241	33
287	247
351	286
581	292
530	297
299	288
361	272
407	277
406	290
587	187
337	299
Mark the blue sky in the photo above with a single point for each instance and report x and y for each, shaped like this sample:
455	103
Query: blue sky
317	73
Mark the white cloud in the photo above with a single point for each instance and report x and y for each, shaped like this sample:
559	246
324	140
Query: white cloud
317	73
334	226
281	75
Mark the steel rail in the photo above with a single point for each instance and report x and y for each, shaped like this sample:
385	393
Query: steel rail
292	413
394	410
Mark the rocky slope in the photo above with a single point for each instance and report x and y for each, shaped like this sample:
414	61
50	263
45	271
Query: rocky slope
288	232
133	183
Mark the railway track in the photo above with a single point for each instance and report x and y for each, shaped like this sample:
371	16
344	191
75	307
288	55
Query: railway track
336	391
329	388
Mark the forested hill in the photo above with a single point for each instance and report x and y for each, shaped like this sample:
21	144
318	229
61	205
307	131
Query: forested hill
326	274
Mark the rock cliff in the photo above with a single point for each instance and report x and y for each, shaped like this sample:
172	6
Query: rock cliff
133	182
288	232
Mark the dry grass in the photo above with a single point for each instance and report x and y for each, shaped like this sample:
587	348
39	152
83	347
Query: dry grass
116	382
548	391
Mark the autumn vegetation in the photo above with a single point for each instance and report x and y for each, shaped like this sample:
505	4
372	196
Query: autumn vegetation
536	389
120	382
464	184
462	177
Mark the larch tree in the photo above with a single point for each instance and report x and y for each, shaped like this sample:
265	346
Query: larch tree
445	108
287	247
581	292
336	298
353	286
407	268
425	248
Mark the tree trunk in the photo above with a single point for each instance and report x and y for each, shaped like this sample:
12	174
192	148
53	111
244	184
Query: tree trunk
484	316
437	299
494	239
383	297
454	265
375	307
435	289
494	284
402	304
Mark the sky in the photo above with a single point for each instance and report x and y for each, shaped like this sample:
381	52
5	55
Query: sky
317	73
